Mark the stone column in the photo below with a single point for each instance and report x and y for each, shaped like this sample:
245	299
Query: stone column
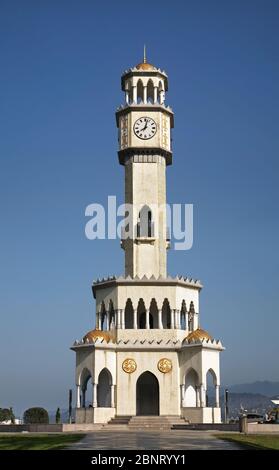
186	320
94	398
112	404
195	321
172	318
127	96
118	318
122	318
202	396
108	320
160	323
83	397
155	94
134	94
182	394
145	94
217	399
147	325
178	319
78	396
198	403
135	319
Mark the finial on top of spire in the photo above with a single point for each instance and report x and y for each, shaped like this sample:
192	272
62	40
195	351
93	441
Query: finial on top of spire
144	54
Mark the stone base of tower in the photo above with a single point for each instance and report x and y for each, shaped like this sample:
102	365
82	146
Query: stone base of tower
99	415
206	415
194	415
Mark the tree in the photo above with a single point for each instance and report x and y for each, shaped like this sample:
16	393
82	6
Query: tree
12	415
58	416
36	415
5	415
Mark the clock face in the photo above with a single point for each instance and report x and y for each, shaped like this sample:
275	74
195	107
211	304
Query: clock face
145	128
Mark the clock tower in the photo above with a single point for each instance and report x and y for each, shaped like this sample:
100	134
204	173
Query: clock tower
147	361
145	124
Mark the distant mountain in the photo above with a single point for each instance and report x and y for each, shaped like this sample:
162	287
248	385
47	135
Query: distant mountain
265	387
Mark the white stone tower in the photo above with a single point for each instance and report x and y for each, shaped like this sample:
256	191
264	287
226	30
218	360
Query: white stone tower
147	354
145	150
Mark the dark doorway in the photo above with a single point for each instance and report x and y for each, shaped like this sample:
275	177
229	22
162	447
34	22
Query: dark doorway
104	389
147	395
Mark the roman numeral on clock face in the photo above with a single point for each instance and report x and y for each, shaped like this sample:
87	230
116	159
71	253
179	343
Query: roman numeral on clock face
145	128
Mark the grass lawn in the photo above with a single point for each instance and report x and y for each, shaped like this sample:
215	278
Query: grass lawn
38	441
256	441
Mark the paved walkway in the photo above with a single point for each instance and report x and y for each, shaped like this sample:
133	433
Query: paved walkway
153	440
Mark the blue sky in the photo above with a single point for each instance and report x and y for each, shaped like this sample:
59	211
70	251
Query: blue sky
61	63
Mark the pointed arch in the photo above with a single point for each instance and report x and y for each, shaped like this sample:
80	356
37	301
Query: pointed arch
210	387
148	394
141	315
153	314
191	316
145	226
161	92
104	388
129	314
150	91
111	315
166	314
103	312
191	388
139	91
183	315
129	92
86	388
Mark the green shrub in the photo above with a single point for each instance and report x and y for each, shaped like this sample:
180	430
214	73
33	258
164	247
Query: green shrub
36	416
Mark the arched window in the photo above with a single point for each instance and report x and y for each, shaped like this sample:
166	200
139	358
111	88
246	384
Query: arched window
104	325
104	389
191	394
150	91
191	316
86	389
166	314
139	91
128	92
183	313
111	317
141	315
145	227
129	314
210	387
161	93
153	311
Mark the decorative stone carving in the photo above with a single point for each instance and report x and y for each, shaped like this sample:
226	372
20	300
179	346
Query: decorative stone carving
164	365
129	365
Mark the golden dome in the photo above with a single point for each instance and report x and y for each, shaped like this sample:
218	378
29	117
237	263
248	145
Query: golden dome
93	335
145	66
198	334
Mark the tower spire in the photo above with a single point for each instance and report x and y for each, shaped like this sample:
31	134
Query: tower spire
144	54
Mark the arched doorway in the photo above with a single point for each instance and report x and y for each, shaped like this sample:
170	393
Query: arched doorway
104	389
147	395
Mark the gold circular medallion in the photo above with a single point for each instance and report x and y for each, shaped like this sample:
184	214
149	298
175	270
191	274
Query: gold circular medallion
129	365
165	365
